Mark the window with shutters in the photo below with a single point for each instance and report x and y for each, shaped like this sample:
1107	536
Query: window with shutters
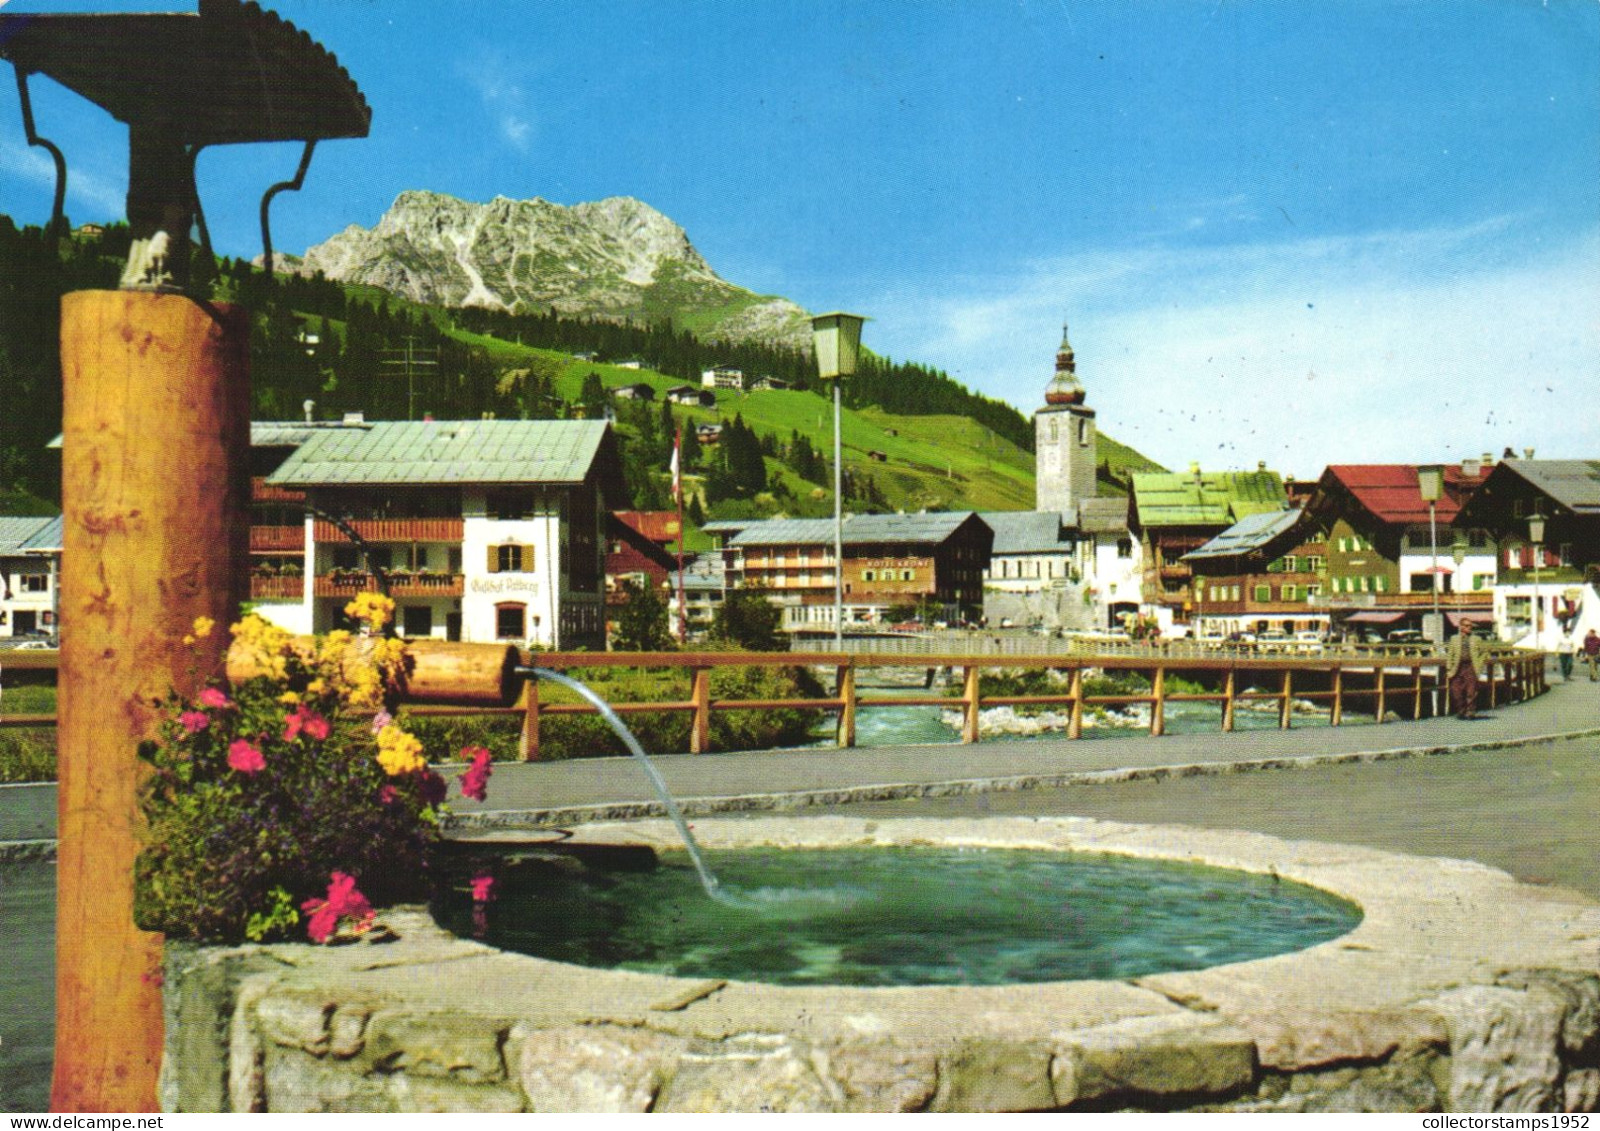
510	558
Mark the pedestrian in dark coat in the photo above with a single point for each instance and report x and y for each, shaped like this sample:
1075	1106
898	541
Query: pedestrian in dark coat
1464	659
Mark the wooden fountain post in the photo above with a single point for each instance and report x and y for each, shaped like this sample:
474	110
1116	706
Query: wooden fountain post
155	488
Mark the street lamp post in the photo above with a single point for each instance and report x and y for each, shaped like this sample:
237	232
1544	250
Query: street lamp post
1536	536
836	338
1430	482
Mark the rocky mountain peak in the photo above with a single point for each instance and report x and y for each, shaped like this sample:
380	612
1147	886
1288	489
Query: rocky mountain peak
611	258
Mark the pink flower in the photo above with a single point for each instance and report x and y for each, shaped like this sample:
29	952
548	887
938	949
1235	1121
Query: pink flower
211	697
388	795
381	720
482	887
245	757
194	721
304	720
475	781
343	902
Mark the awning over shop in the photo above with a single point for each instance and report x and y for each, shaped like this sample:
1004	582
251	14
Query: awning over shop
1481	616
1373	617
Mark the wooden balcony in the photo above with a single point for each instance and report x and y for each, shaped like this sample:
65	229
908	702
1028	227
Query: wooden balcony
272	587
400	585
394	530
1476	599
261	492
278	539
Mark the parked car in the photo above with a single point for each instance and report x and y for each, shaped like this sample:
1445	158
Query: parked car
1407	636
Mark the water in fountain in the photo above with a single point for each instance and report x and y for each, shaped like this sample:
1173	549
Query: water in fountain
898	916
707	879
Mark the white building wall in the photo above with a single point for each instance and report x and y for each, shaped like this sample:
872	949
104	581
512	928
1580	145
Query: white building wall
1114	580
37	605
291	616
537	589
1513	605
1417	557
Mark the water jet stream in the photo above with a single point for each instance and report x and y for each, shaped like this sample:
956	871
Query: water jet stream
707	879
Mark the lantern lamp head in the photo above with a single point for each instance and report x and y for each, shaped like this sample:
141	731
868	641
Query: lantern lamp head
836	338
1430	482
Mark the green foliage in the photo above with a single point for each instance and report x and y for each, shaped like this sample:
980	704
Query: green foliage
27	754
642	621
276	920
747	620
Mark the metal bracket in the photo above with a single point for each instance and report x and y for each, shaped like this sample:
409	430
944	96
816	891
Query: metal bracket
266	203
56	212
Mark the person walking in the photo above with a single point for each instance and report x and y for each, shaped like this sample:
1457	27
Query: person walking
1566	653
1463	660
1591	652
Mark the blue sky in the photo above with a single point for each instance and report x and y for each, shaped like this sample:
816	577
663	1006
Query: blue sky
1293	231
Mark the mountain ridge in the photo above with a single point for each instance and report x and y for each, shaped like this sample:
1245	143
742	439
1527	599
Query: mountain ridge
616	258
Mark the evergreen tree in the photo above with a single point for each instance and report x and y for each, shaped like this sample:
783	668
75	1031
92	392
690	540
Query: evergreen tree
642	621
593	395
748	620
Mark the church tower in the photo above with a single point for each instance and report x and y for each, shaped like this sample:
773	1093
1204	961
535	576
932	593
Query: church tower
1064	440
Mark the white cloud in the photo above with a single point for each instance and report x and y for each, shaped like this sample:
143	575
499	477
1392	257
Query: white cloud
1390	347
504	98
85	189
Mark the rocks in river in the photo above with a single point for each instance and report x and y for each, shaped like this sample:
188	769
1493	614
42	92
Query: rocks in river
1008	721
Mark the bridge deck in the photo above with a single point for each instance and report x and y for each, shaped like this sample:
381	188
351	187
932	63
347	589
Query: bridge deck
522	794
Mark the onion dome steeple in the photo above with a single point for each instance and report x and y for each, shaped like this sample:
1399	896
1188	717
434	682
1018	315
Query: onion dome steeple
1064	387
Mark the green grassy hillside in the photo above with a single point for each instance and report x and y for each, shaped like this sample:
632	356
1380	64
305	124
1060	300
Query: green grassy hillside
931	462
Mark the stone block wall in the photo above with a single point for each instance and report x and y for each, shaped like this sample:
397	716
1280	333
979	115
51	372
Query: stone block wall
1461	990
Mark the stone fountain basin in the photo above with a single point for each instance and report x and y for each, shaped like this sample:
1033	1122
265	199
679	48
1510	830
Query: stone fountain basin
1462	990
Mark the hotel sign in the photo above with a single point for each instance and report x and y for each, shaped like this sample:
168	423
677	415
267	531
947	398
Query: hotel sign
503	583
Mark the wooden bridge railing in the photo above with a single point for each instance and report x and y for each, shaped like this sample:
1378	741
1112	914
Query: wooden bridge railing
1378	682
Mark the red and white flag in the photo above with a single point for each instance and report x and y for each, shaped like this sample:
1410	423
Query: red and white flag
677	473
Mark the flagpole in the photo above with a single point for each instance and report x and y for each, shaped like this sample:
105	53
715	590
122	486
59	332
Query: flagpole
677	490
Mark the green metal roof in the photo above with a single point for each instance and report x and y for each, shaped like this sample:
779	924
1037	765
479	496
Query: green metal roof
1205	498
858	530
17	531
395	452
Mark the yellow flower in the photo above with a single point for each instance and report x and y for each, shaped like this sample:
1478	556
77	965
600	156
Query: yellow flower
373	609
203	627
316	687
289	698
399	752
269	643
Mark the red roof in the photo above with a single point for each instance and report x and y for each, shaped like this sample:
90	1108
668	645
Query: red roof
1390	491
658	526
